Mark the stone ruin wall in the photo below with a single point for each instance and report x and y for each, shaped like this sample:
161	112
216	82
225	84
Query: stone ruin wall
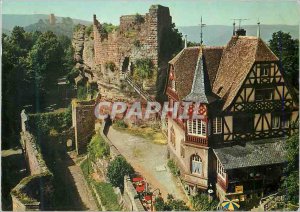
121	44
83	122
27	194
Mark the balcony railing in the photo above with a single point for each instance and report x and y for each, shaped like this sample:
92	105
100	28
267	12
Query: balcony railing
196	140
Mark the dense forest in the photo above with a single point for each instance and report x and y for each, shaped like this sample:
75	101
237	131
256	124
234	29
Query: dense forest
32	62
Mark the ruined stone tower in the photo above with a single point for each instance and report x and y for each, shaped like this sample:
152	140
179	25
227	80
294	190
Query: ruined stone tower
138	36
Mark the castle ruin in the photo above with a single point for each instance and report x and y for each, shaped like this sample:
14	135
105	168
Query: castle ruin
138	36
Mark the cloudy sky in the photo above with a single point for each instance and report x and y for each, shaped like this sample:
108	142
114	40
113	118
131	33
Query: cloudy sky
184	12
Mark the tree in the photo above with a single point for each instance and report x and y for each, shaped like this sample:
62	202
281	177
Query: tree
287	49
116	171
46	62
201	202
290	184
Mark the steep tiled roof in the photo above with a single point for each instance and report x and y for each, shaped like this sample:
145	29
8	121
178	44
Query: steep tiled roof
184	65
236	62
201	90
226	67
256	153
212	58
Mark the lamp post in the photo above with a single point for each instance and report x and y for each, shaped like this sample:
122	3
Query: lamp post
210	192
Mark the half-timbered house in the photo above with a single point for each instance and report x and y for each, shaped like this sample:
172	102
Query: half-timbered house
247	108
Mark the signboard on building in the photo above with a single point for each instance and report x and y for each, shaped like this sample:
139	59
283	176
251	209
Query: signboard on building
239	189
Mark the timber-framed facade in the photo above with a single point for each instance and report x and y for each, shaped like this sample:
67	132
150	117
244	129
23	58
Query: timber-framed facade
247	109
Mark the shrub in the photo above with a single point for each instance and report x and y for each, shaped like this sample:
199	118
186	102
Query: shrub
201	202
108	27
46	122
81	92
88	30
98	148
171	204
116	171
143	68
173	167
120	124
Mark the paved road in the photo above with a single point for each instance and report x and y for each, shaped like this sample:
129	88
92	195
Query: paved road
149	159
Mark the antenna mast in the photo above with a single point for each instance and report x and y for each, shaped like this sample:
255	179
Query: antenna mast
239	20
201	34
258	28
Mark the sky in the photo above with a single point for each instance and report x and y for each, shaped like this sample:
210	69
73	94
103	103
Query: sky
183	12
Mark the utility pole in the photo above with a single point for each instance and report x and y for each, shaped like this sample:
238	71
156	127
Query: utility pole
201	33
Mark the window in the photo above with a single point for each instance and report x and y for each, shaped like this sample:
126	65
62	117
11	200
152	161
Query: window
173	85
280	121
196	167
275	122
243	124
196	127
217	125
285	123
264	70
220	170
263	94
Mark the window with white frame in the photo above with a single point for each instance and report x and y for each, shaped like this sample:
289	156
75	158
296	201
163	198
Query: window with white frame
282	121
275	122
196	166
220	170
217	125
196	127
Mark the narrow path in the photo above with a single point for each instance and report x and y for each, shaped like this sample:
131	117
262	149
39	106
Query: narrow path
149	159
82	187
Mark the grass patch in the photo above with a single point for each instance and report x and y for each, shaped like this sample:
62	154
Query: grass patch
153	134
105	190
108	198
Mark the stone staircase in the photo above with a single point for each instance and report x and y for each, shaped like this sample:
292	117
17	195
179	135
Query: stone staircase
138	89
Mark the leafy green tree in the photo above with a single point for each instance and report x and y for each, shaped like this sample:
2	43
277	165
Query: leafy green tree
171	42
287	49
46	62
290	184
116	171
201	202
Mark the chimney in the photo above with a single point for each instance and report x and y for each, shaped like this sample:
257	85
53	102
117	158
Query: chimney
94	19
185	41
233	29
240	32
